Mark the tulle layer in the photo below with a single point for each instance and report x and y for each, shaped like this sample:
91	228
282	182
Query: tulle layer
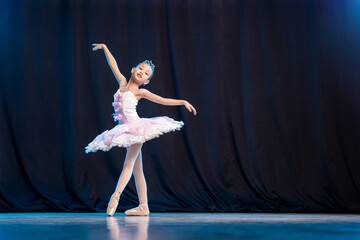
139	131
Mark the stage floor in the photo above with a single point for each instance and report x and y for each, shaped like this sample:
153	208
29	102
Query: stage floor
53	226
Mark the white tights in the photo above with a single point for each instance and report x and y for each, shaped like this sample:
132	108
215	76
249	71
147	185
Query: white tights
133	164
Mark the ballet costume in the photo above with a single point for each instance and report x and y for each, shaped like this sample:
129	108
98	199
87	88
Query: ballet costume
131	129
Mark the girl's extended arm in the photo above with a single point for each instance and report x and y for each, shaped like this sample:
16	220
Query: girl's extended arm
112	63
165	101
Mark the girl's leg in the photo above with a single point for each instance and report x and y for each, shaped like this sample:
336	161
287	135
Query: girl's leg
140	180
131	155
125	176
141	188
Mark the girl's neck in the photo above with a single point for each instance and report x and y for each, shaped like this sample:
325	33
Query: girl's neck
131	85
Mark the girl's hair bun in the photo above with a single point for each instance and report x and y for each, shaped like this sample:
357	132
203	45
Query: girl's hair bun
150	64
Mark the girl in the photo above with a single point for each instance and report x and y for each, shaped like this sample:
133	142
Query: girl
132	131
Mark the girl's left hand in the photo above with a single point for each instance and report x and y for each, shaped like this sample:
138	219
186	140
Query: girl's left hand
189	107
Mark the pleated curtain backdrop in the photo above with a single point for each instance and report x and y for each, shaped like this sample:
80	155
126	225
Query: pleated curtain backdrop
275	83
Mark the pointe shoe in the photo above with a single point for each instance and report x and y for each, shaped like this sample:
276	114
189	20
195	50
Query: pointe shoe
112	206
141	210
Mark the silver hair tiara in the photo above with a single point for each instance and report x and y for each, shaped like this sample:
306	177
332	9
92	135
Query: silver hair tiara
150	64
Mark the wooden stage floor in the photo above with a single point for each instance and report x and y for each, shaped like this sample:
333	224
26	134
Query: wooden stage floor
53	226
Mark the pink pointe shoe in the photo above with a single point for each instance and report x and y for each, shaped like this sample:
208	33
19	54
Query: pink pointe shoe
141	210
113	203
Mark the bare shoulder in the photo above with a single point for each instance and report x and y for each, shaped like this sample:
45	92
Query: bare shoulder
144	93
123	83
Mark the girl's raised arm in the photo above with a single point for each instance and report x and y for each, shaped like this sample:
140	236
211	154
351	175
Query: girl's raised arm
112	63
165	101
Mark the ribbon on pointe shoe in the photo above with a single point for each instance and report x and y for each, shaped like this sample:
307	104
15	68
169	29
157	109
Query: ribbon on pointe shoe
112	206
141	210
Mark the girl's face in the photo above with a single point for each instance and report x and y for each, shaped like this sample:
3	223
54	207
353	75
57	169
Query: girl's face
142	73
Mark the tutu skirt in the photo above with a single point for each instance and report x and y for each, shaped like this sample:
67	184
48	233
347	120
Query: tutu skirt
139	131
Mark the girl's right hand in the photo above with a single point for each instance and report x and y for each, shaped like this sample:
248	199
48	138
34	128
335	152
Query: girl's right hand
98	46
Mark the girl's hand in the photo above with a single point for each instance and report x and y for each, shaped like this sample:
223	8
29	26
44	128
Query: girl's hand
189	107
98	46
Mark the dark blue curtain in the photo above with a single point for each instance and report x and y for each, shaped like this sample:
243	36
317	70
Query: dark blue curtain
275	83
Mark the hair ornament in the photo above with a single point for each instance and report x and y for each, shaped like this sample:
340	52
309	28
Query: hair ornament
150	64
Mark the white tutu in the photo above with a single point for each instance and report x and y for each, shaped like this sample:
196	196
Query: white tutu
131	128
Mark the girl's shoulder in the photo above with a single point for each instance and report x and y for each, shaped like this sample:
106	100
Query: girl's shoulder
123	83
143	92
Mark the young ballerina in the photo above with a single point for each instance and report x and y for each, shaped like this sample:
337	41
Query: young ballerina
132	131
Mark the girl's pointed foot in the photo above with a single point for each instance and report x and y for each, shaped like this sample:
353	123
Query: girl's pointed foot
141	210
113	203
